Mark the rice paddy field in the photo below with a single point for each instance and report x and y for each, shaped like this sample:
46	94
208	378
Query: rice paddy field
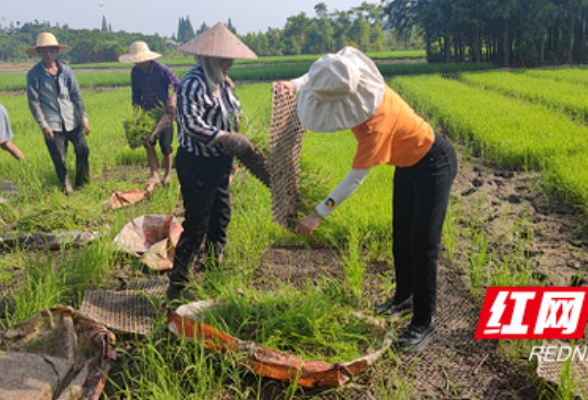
517	218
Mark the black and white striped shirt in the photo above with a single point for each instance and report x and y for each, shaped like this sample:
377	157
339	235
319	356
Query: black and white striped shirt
202	118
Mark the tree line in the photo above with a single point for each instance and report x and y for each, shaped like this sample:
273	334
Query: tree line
504	32
361	27
87	46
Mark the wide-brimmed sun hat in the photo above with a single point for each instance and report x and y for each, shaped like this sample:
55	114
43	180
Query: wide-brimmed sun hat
343	91
139	52
219	42
46	39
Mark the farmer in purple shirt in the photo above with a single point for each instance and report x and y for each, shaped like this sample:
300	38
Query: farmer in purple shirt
151	83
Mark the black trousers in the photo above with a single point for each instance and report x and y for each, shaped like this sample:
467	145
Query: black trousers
204	183
58	152
421	196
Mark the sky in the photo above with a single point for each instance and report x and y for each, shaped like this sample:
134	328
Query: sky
162	16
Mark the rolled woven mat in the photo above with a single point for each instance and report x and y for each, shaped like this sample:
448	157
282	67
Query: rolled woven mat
286	134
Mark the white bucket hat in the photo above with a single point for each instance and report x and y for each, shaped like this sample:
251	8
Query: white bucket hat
46	39
219	42
343	91
138	53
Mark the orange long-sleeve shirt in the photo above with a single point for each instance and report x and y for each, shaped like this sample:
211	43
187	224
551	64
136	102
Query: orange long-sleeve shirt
394	135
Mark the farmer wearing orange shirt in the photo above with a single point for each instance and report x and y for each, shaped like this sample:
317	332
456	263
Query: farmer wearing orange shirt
346	91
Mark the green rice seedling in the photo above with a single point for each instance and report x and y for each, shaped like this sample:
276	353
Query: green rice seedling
312	324
393	384
11	264
512	273
418	68
164	367
41	288
497	127
139	127
567	178
88	267
510	132
305	58
575	75
480	262
567	382
354	266
450	227
560	95
244	72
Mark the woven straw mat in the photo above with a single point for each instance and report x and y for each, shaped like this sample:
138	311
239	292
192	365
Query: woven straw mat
286	133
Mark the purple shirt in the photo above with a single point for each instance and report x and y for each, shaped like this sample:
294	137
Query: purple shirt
151	89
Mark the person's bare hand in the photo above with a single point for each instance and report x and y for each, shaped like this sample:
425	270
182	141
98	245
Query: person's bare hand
307	225
48	133
86	128
283	87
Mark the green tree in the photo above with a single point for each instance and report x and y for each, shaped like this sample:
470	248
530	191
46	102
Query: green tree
275	42
321	10
231	27
295	32
359	34
319	37
202	28
185	30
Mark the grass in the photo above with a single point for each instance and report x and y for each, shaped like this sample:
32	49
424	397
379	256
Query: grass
242	73
48	278
188	60
162	367
313	323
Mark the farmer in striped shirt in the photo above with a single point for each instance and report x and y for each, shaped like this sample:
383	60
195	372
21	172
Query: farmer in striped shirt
207	112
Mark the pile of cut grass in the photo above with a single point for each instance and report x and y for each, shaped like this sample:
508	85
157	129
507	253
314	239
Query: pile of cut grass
314	324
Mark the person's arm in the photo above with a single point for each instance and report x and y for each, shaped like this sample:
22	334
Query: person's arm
171	102
75	94
173	84
308	224
300	82
13	150
33	100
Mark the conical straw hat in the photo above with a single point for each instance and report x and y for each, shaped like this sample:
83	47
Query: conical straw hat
218	41
46	39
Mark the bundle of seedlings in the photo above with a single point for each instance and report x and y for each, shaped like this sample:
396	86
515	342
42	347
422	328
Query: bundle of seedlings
146	126
310	324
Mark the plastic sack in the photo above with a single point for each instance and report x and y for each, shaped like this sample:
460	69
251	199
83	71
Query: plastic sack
56	354
152	238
